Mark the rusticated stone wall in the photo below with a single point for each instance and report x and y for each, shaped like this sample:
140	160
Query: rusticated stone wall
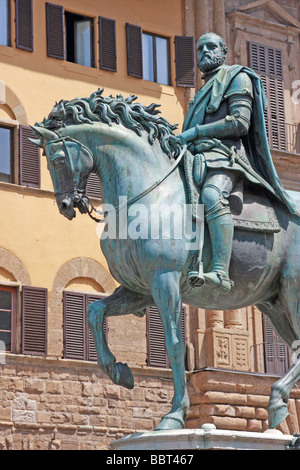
68	405
237	401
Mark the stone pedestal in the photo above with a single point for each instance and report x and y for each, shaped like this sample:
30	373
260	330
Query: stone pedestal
206	438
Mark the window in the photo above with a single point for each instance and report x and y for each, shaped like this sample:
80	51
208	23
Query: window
7	318
78	341
6	158
79	39
156	59
4	22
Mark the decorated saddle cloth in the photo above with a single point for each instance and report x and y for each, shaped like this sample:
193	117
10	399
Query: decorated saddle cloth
254	213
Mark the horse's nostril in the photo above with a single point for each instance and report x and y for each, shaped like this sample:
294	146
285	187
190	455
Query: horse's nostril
65	204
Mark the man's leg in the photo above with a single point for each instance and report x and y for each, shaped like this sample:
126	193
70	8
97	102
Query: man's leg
215	192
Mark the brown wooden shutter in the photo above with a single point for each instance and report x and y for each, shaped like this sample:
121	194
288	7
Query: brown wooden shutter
29	159
55	31
134	50
107	44
93	186
185	61
268	63
34	321
277	354
91	348
78	340
24	25
156	350
74	326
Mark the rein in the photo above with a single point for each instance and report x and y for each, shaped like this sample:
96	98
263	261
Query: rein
79	194
139	196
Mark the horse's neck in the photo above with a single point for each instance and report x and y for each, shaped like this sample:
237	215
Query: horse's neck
125	163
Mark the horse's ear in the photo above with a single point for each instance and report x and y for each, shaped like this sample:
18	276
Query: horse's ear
36	142
43	134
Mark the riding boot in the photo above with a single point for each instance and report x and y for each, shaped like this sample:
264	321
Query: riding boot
221	235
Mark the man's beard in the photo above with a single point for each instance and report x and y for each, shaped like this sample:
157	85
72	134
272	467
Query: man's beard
210	63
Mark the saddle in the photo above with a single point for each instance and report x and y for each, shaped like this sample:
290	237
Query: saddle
251	211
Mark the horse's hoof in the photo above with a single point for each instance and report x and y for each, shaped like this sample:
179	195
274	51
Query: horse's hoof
123	375
277	414
170	423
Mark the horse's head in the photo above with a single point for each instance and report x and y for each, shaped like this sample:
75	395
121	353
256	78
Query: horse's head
70	163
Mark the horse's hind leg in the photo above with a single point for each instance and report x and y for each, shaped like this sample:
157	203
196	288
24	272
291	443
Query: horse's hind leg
121	302
167	298
285	317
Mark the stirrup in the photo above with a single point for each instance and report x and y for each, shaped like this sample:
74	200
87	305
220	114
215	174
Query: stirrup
218	279
195	279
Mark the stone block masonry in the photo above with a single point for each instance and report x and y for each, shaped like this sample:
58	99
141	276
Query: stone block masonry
49	404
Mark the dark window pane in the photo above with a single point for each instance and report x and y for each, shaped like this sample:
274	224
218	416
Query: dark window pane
148	68
4	23
5	321
5	155
162	61
5	340
5	300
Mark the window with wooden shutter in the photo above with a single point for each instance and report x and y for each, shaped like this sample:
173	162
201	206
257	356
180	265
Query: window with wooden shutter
78	340
55	30
268	63
156	350
34	321
107	44
29	159
93	186
277	354
134	51
24	25
185	61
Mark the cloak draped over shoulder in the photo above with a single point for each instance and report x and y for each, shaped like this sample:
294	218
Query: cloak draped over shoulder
208	100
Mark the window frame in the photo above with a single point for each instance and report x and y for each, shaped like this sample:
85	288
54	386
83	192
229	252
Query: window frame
13	330
8	20
154	36
91	19
12	153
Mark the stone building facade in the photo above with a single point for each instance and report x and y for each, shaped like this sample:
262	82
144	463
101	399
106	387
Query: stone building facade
51	399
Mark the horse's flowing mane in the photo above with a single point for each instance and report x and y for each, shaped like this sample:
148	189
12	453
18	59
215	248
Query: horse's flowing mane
119	110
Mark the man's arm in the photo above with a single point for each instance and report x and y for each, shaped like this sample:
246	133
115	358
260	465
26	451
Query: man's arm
236	124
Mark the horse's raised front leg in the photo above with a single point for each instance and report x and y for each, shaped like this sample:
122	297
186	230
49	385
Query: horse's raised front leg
167	298
121	302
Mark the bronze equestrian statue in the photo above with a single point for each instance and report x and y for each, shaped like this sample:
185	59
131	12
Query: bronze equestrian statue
249	248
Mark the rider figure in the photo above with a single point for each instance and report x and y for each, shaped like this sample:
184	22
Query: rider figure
217	126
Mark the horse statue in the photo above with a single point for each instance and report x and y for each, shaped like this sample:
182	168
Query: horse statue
136	155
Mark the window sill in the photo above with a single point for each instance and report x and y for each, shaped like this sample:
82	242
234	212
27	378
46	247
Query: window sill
158	87
80	69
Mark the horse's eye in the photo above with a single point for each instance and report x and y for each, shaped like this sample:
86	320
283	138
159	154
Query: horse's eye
58	160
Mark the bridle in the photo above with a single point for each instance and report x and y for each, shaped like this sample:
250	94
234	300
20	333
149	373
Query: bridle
80	194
